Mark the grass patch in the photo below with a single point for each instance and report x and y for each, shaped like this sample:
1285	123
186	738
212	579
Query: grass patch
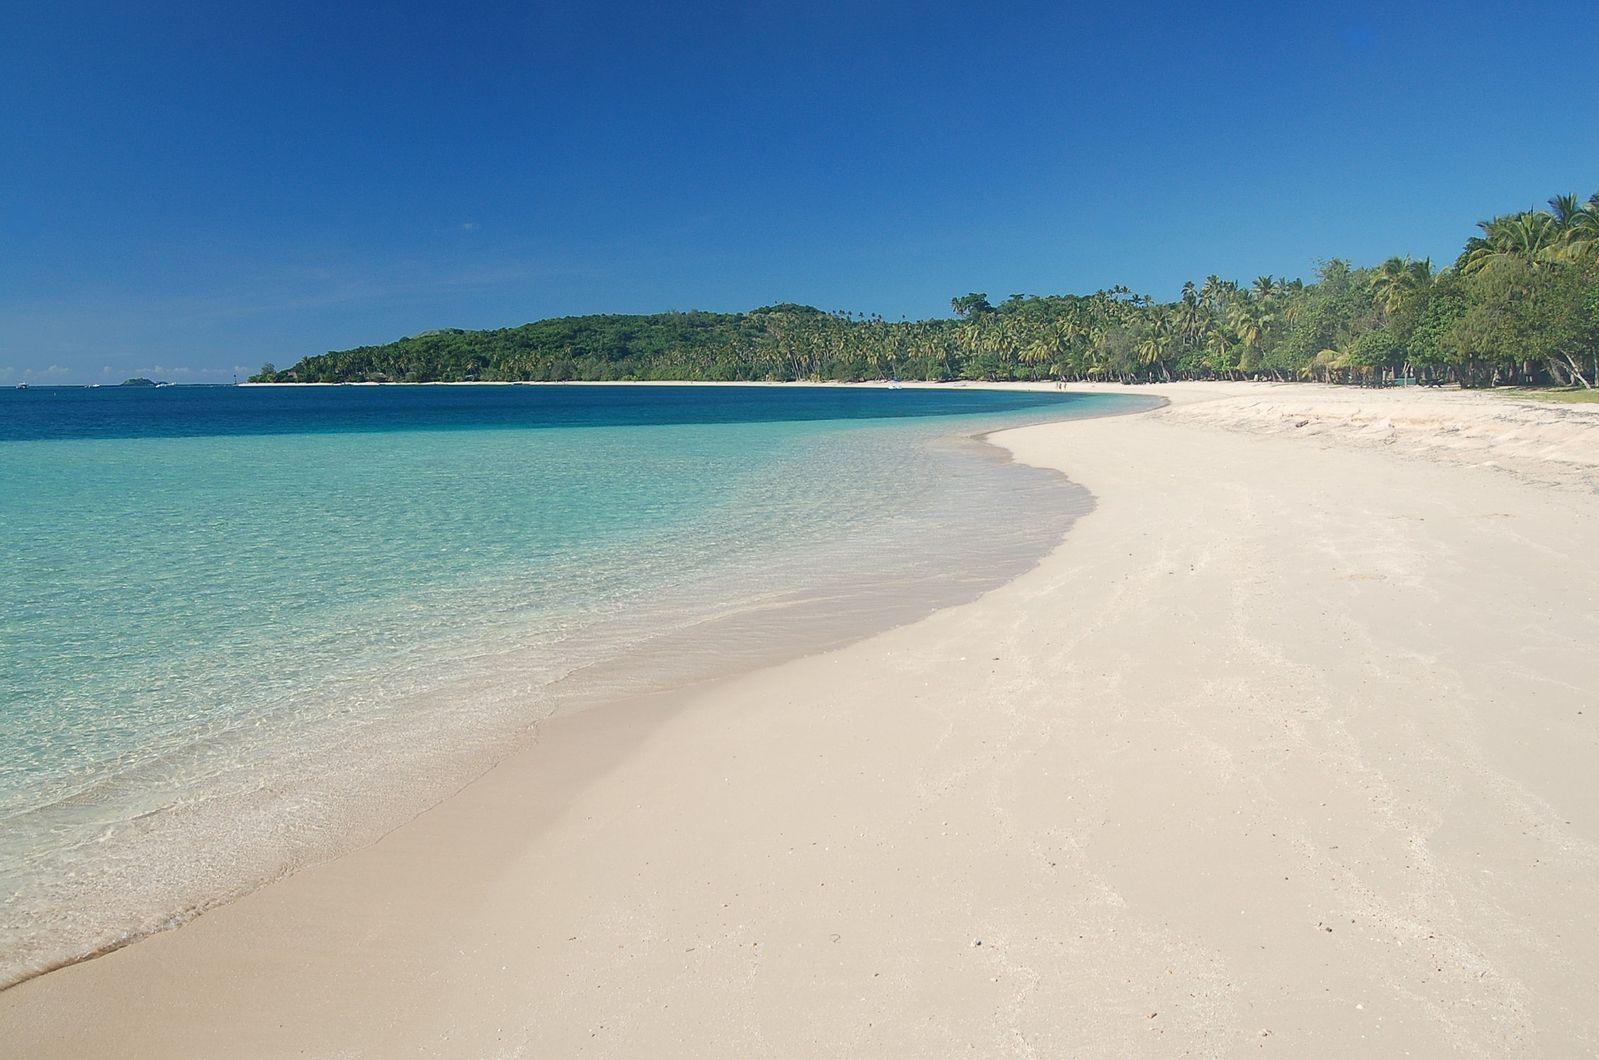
1564	397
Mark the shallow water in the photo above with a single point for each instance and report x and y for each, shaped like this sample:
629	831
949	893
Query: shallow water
245	628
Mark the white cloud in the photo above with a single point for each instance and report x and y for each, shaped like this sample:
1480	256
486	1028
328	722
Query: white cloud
55	371
172	373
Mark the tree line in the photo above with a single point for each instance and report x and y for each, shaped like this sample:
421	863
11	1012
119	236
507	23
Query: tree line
1519	305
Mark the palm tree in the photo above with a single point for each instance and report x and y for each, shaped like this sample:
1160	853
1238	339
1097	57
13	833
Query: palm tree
1156	345
1532	236
1067	334
1219	348
1396	281
969	335
1007	340
1249	322
1191	318
1578	223
1290	294
1327	364
1040	348
1564	208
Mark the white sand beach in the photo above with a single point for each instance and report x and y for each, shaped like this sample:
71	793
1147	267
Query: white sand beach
1288	748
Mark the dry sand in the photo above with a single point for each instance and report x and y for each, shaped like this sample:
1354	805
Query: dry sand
1288	749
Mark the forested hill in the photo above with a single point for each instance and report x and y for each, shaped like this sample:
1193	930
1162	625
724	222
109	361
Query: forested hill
1520	304
696	345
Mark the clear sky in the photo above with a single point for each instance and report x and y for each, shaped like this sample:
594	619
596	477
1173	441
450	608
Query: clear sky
188	190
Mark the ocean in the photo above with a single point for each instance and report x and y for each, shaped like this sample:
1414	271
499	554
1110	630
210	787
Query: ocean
244	628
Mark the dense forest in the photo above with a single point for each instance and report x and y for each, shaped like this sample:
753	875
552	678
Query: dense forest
1520	305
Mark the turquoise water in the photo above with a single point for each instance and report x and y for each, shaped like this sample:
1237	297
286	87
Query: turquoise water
246	628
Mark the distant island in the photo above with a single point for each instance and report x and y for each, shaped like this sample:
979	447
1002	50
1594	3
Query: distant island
139	381
1520	305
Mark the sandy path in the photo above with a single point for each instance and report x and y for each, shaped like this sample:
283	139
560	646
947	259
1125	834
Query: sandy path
1288	749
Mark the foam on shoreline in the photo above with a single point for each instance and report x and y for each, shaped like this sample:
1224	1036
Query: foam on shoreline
238	820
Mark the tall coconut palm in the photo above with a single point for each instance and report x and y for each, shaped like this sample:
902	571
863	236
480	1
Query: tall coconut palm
1578	223
1291	300
1398	280
1156	345
1191	318
1041	348
1249	322
1564	208
969	335
1008	339
1532	236
1219	351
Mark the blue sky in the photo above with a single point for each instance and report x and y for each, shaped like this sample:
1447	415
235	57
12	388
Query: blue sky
188	190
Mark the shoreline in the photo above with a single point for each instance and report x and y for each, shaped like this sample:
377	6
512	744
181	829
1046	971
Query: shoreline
880	383
1103	805
598	685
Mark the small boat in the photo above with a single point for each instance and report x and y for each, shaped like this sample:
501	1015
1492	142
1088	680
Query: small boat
22	386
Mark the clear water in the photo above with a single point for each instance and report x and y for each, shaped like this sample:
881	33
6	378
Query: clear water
241	628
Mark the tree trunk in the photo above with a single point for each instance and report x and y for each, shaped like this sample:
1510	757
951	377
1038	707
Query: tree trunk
1577	372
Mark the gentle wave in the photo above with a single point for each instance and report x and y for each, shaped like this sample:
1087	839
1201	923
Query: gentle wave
183	725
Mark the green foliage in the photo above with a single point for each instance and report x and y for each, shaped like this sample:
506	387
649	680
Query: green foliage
971	305
1520	313
1521	305
1560	397
1375	349
1431	341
